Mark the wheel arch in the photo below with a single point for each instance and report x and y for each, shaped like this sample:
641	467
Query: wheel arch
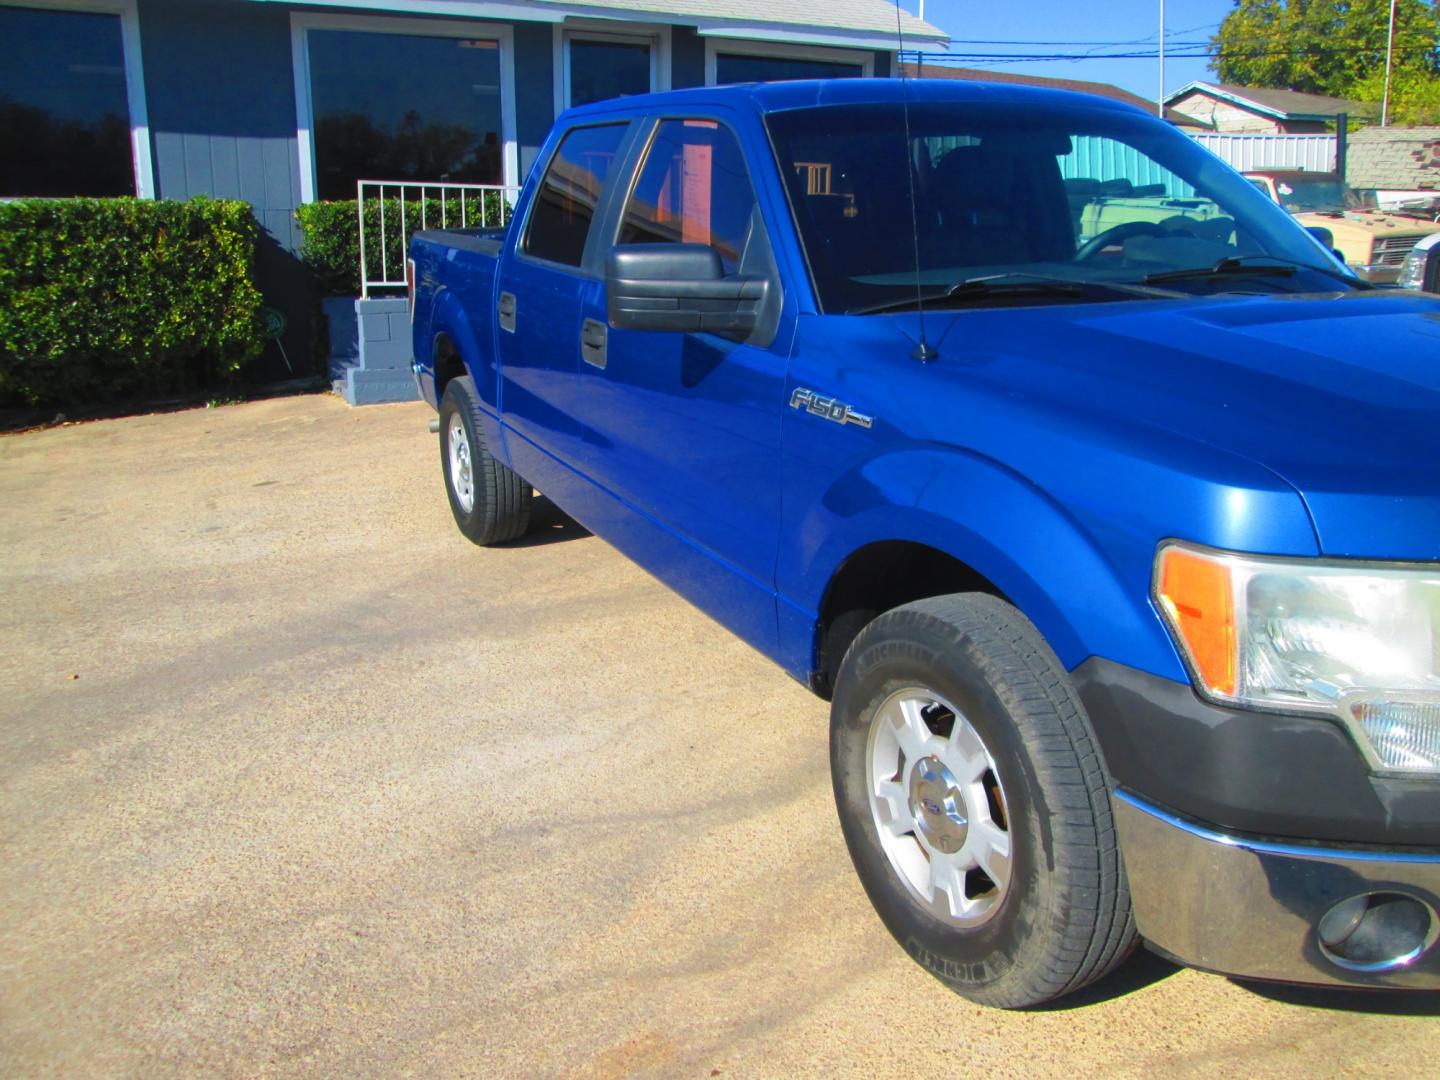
932	521
876	578
447	361
454	330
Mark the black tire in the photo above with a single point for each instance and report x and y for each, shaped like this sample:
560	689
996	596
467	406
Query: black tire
1062	919
499	499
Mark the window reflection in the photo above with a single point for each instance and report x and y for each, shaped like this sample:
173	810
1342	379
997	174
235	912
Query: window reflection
693	189
403	107
568	195
64	114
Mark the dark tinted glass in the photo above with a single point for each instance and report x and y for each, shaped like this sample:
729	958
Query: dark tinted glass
607	69
64	117
734	68
403	107
1003	189
566	200
692	189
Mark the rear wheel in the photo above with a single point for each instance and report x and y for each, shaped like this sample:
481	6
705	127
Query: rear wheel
975	804
490	501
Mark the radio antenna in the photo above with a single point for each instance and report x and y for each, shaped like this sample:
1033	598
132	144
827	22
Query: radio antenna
922	351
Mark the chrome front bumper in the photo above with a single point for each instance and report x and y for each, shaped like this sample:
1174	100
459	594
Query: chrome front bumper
1253	908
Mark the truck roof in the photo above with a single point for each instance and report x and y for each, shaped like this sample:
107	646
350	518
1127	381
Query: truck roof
807	93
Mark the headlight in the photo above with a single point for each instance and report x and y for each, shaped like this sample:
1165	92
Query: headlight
1355	641
1412	274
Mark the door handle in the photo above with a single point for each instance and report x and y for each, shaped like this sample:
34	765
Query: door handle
506	311
593	336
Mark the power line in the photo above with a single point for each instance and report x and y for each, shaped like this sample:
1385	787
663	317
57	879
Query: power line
1106	44
1191	50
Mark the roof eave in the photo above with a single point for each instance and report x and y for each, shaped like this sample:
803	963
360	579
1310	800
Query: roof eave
1257	106
782	33
558	12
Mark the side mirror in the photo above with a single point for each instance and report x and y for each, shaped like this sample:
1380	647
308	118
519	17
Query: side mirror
679	287
1326	237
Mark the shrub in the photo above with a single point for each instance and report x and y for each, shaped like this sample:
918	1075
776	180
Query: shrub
331	244
107	298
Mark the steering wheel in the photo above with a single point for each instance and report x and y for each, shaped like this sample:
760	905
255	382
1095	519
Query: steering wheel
1115	235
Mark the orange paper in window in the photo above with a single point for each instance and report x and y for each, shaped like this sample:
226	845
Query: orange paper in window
696	168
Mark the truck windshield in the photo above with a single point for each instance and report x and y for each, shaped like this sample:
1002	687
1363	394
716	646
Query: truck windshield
1089	195
1302	195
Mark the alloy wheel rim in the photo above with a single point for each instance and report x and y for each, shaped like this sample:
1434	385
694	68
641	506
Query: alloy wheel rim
462	477
939	807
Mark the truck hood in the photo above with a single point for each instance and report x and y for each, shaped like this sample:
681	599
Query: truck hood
1354	224
1338	395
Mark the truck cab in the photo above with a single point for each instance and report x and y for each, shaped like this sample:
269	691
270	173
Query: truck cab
1108	529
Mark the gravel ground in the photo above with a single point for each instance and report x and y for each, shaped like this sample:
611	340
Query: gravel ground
295	781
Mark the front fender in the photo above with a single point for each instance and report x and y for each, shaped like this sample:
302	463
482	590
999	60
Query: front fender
996	522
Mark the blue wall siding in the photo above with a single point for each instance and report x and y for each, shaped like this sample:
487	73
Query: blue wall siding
534	90
220	93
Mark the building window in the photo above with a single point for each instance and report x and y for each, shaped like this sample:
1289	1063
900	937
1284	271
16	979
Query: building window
737	61
601	68
737	68
394	106
65	120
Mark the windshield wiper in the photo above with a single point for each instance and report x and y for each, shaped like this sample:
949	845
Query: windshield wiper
1239	265
1017	284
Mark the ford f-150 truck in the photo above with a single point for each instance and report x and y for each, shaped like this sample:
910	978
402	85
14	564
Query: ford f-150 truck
1117	556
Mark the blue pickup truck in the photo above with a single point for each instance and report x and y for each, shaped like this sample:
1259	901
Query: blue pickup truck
1098	498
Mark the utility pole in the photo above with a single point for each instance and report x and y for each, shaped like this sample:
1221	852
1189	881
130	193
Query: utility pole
1160	101
1389	61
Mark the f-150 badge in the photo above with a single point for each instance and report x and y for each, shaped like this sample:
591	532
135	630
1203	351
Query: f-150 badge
828	408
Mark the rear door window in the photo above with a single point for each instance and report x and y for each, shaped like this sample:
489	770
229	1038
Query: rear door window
569	193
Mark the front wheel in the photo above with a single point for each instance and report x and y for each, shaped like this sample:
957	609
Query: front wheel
490	501
975	804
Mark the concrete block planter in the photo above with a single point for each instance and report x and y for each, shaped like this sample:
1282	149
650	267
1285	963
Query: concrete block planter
370	350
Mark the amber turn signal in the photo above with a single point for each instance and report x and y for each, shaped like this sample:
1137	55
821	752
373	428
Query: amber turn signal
1198	599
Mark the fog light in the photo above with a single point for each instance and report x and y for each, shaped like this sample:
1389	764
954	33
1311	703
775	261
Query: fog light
1402	735
1377	931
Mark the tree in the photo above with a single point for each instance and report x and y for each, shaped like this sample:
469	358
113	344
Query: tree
1334	47
1414	95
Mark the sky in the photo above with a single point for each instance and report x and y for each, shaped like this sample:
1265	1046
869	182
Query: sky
1113	26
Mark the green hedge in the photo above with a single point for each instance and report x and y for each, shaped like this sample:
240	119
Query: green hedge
108	298
331	244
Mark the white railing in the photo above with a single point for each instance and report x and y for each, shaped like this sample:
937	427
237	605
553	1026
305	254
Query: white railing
391	210
1314	153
